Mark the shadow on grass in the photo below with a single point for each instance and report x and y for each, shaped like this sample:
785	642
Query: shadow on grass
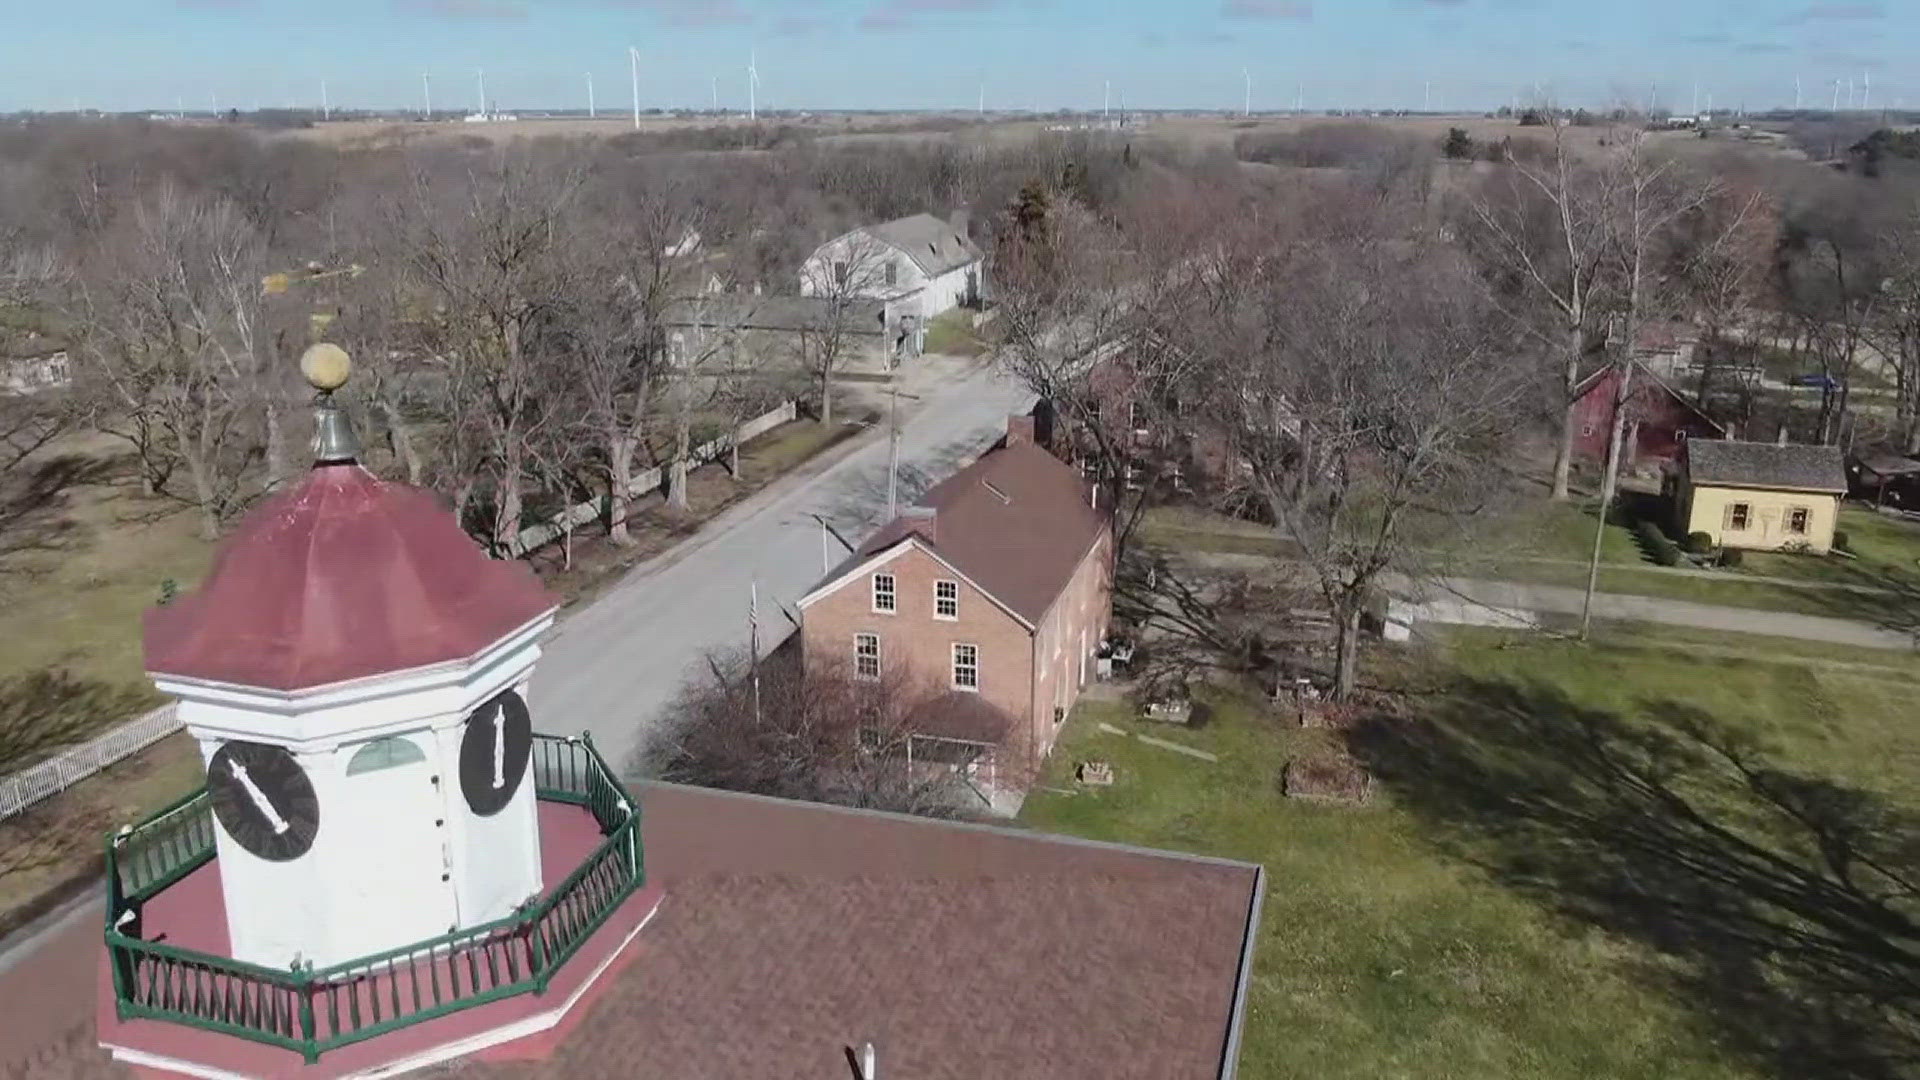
1785	901
33	502
45	711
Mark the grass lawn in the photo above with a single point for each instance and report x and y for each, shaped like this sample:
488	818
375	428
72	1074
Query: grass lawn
1459	925
952	333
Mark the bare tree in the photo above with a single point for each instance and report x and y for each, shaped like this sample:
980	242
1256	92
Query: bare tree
488	255
851	270
1542	233
1649	198
777	729
1894	330
1359	379
618	364
172	340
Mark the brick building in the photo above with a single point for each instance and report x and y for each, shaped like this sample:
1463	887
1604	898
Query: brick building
989	599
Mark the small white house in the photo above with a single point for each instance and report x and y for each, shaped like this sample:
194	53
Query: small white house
35	374
918	266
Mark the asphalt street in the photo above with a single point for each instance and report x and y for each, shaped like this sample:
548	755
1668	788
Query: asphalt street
613	667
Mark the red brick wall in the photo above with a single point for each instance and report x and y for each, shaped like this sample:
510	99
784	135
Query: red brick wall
914	642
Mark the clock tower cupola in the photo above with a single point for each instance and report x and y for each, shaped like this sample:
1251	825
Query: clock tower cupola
354	669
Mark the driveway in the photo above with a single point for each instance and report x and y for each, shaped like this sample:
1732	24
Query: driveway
612	667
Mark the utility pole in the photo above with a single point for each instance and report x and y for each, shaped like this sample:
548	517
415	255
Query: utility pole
753	642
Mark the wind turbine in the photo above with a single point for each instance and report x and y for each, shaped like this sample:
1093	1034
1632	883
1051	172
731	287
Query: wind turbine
481	74
1106	98
1796	93
592	112
426	92
716	94
326	109
1246	104
633	64
1836	96
1866	90
981	108
753	85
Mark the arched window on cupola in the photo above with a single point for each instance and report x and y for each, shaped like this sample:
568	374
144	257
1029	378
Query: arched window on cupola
388	753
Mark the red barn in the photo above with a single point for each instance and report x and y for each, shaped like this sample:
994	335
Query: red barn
1659	418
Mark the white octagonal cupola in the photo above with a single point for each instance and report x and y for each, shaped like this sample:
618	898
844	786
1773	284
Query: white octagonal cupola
355	671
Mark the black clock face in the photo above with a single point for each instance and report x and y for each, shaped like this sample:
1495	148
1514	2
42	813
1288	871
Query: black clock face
494	752
263	799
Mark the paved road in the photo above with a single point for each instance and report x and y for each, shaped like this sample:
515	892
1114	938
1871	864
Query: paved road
612	667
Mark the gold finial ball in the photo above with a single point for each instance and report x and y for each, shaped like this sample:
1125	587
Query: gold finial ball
326	366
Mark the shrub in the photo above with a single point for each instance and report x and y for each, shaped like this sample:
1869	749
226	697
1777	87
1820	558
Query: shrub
1730	557
1660	549
1699	543
1841	541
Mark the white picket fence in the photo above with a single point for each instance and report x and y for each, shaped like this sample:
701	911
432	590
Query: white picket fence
70	766
534	537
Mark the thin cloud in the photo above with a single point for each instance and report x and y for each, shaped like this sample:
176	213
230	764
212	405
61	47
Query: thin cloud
908	14
1837	12
466	10
1761	48
800	25
692	14
1269	10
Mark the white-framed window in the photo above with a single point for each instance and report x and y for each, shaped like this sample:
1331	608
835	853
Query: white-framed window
946	599
1797	518
1738	515
884	598
966	667
866	656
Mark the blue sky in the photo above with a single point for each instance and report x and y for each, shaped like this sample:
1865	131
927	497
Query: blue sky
137	54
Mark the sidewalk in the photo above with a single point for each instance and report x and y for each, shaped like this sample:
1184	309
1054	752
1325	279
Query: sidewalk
1474	601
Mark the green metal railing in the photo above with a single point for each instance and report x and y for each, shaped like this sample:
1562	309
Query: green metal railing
313	1011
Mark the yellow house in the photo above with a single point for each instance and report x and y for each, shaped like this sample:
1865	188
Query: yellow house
1761	496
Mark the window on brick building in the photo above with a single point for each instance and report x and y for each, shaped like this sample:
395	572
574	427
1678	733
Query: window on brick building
966	667
946	599
883	595
866	656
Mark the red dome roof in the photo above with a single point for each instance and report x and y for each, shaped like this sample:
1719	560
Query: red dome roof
341	577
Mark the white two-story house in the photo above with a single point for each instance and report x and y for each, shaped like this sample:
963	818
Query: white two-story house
918	266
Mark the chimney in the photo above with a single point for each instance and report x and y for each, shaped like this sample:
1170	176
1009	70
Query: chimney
1020	431
921	520
961	220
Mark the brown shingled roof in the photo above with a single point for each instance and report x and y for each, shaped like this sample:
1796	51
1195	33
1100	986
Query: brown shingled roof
1766	465
790	931
1016	523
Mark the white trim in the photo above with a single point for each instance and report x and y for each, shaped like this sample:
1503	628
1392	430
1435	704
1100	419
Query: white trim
953	667
899	548
857	657
448	1051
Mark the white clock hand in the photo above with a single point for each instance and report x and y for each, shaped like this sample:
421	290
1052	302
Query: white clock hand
499	746
259	797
